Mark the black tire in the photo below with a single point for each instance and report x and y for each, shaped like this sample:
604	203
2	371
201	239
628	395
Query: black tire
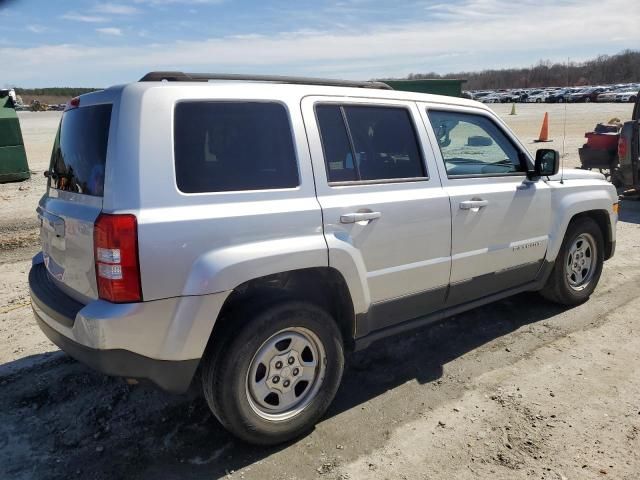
227	362
558	288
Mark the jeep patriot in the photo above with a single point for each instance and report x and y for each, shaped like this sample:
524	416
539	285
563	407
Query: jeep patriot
256	229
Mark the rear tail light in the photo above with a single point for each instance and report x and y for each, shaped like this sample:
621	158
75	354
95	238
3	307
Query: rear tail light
622	148
116	254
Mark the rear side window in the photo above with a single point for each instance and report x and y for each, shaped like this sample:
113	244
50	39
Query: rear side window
80	150
231	146
366	143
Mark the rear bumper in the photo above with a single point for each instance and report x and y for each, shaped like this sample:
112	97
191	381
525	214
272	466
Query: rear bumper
161	341
170	375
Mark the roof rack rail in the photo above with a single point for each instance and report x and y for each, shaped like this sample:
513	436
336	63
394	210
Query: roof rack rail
205	77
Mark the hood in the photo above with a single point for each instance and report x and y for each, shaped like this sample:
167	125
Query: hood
577	174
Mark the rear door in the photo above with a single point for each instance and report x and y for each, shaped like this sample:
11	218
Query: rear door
500	219
73	200
382	203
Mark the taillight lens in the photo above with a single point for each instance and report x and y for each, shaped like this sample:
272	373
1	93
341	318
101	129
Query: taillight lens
622	148
116	253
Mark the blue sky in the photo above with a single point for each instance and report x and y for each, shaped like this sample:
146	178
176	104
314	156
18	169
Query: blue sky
92	43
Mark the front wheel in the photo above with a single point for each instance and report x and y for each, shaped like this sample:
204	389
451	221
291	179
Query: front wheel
274	378
578	265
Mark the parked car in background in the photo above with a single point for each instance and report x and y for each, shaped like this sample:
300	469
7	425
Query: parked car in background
559	96
479	95
609	96
537	96
493	98
586	95
626	96
512	96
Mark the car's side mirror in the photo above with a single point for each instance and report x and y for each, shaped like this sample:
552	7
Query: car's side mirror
547	163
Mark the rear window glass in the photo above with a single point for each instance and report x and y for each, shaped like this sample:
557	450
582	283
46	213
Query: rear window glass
369	143
231	146
80	150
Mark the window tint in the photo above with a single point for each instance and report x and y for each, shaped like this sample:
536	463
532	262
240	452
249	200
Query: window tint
378	143
473	145
80	150
335	142
226	146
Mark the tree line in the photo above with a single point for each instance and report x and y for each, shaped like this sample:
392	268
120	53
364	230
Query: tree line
54	91
623	67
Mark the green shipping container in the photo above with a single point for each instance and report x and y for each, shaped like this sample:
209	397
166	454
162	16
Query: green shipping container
13	158
435	86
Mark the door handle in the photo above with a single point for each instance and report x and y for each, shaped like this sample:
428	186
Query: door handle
359	217
475	203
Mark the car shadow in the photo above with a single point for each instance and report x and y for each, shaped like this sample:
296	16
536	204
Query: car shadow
102	428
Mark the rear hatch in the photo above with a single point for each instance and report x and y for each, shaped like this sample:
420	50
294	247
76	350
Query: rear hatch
74	197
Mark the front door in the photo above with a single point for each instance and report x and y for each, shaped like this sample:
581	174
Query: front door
500	220
383	206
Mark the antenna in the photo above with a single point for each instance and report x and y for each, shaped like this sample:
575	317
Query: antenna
564	130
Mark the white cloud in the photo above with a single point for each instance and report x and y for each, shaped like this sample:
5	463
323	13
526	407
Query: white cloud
116	9
457	44
184	2
110	31
36	28
79	17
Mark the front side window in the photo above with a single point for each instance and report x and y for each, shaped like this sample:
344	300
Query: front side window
474	145
367	143
233	146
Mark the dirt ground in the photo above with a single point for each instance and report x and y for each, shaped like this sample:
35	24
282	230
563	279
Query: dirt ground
518	389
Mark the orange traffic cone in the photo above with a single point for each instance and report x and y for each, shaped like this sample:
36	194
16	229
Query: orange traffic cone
544	131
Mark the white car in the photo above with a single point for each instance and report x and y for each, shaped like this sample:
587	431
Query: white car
537	97
627	96
493	98
256	229
607	96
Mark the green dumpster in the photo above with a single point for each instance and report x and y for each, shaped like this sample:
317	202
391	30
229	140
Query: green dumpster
437	86
13	158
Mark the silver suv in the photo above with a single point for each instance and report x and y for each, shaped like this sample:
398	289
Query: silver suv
257	228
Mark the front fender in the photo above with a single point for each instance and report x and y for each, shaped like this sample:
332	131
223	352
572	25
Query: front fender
571	204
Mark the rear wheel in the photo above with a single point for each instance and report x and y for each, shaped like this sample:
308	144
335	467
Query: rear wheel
272	380
578	265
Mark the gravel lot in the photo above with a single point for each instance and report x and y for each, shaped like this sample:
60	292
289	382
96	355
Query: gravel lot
518	389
